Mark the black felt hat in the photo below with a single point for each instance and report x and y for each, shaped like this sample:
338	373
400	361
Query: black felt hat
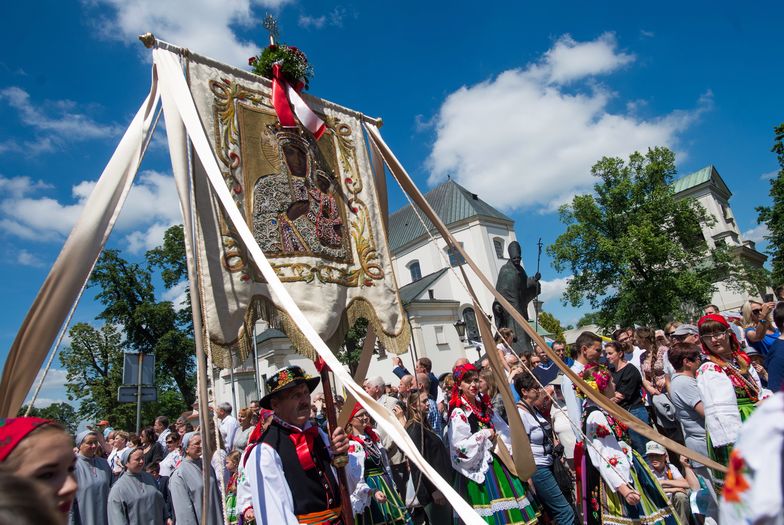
286	378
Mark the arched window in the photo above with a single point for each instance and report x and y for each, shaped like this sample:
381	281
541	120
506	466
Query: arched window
498	244
472	328
415	271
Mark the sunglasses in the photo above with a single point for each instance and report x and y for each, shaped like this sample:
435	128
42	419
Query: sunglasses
756	311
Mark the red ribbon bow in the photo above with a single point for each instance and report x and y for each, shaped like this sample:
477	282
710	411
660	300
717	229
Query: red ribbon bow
282	104
303	441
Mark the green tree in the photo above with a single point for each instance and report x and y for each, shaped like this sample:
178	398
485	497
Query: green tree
351	350
63	413
590	318
773	216
636	252
93	362
150	326
552	325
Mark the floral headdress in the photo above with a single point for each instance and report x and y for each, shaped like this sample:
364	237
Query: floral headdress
597	376
481	406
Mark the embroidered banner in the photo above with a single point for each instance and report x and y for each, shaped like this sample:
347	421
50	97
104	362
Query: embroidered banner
312	207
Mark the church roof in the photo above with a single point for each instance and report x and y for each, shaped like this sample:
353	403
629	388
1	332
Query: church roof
451	202
410	292
708	174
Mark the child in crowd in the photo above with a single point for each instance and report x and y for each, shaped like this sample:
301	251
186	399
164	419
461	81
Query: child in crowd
671	480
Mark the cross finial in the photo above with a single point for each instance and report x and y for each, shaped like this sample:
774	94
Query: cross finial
271	25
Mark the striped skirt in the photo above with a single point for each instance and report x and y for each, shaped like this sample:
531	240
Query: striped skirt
392	511
501	500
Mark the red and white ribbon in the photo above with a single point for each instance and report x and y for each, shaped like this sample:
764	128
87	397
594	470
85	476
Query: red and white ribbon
284	97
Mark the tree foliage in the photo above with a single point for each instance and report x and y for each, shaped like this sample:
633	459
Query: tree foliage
63	413
149	325
351	350
773	216
637	253
93	362
552	325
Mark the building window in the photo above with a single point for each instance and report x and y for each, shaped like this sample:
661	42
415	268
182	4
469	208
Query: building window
498	244
415	271
455	258
472	329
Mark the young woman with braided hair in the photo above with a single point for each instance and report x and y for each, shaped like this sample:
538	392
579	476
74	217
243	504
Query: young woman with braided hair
617	486
729	386
482	479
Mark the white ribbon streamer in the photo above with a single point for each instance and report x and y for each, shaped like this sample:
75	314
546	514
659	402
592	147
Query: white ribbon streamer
306	116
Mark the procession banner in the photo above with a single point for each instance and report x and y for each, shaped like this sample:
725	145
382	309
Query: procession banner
313	209
173	83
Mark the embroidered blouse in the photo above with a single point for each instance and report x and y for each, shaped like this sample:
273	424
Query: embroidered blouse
608	451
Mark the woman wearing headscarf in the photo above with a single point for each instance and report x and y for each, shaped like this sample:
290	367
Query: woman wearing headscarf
186	487
95	478
135	498
373	498
617	484
729	387
482	479
40	450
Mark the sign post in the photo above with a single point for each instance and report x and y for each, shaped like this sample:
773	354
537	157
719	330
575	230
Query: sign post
138	379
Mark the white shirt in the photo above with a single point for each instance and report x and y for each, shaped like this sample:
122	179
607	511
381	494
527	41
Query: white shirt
634	357
162	437
574	405
228	428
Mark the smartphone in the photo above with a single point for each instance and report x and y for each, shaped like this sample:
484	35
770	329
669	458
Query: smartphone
768	298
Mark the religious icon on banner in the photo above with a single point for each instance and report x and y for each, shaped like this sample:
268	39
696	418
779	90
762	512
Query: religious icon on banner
311	204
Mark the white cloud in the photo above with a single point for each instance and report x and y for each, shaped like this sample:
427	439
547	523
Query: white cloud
55	123
25	258
151	207
757	234
527	140
569	60
204	26
176	295
55	378
18	186
769	175
312	22
334	18
553	290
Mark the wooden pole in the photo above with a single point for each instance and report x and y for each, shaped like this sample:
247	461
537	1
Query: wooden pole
339	461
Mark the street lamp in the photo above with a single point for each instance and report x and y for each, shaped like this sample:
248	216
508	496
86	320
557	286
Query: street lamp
460	326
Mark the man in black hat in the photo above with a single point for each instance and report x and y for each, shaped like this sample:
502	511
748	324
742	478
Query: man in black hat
287	473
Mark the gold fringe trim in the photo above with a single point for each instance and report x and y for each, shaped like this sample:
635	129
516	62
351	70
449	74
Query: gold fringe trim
262	308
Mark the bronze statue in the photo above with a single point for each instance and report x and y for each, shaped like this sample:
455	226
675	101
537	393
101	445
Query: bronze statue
519	289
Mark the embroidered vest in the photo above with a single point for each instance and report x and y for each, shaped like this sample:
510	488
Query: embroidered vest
312	490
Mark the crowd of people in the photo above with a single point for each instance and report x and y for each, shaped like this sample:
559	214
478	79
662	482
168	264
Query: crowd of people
274	461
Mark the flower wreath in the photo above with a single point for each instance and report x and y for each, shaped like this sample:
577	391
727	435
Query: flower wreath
293	64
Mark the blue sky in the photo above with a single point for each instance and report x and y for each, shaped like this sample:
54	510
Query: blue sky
515	102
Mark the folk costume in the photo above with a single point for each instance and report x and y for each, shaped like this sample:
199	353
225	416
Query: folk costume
754	487
482	479
94	477
135	500
286	473
368	472
729	391
609	463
